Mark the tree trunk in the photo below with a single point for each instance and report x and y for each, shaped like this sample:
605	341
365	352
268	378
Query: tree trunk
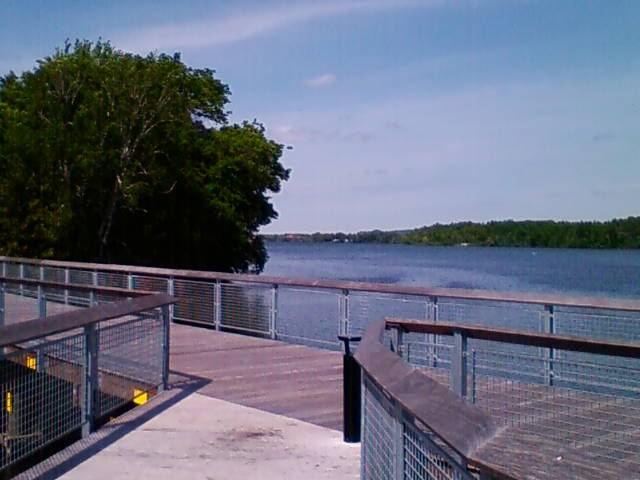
107	222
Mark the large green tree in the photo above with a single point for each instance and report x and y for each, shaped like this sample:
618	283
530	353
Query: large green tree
110	156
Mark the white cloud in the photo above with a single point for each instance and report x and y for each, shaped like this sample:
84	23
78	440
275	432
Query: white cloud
234	27
321	80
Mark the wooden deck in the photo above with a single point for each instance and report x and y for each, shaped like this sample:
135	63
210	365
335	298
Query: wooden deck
557	435
292	380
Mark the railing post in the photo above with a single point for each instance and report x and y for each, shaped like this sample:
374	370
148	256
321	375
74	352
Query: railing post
217	305
42	296
90	379
473	376
2	307
398	441
21	270
93	297
42	302
433	339
273	312
351	392
66	282
549	353
40	366
397	341
459	364
2	302
171	290
343	328
130	282
166	342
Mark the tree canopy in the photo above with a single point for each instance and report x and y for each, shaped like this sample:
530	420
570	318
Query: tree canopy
110	156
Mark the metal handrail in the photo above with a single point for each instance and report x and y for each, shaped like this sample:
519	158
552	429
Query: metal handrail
457	293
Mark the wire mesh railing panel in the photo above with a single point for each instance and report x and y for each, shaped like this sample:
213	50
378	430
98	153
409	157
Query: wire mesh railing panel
427	350
53	296
150	284
379	435
130	356
601	324
595	373
41	396
53	274
569	402
366	308
245	307
196	301
394	447
18	308
12	269
424	459
80	277
31	272
309	317
55	307
521	316
113	279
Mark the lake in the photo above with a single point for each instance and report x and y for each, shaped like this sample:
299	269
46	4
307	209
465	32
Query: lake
610	273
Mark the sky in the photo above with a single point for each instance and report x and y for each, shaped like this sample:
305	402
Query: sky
401	113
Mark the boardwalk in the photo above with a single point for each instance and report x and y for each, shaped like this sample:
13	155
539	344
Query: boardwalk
550	433
292	380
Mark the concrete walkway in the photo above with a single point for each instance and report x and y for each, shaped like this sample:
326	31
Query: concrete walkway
205	438
182	434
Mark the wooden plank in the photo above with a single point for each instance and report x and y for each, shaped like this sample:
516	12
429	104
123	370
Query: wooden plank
293	380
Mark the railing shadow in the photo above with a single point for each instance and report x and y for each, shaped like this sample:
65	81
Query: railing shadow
181	386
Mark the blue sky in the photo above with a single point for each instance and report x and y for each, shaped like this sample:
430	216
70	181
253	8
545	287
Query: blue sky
401	113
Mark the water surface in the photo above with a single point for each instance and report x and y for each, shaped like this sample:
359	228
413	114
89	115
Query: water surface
611	273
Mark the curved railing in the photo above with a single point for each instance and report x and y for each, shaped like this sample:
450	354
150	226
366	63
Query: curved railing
469	418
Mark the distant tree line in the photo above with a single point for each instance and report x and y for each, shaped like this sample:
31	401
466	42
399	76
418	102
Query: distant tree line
617	233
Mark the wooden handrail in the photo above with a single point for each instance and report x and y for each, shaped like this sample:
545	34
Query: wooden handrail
77	286
454	293
519	337
462	426
24	331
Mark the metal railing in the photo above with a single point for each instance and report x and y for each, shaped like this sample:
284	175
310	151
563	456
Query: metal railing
502	384
69	372
315	312
412	426
585	423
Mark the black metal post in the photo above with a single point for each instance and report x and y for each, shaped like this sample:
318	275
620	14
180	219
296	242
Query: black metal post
351	391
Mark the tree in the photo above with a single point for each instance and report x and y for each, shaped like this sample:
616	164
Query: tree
111	156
